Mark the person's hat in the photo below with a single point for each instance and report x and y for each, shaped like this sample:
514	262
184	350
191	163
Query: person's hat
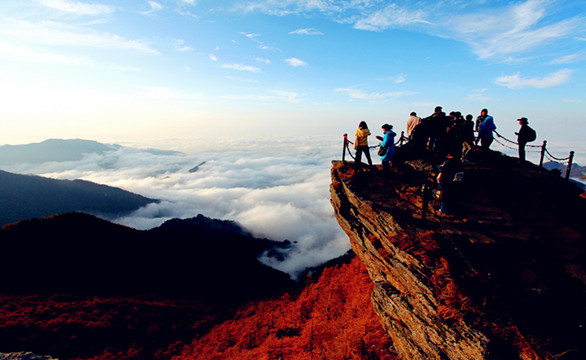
523	120
438	108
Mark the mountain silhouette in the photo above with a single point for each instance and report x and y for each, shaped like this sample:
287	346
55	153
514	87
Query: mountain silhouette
60	150
77	253
26	196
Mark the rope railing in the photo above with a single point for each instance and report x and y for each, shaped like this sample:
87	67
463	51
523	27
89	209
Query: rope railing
544	153
543	149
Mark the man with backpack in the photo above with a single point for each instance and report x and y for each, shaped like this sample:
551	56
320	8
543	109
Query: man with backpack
525	135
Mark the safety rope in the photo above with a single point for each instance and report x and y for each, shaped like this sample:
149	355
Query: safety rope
551	157
514	142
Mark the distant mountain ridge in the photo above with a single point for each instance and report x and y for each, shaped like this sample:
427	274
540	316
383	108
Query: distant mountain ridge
77	253
60	150
27	196
576	170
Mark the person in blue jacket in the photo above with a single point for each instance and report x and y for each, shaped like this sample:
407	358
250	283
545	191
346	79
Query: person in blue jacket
388	143
485	129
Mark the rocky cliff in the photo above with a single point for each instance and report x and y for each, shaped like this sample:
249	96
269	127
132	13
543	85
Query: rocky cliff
503	279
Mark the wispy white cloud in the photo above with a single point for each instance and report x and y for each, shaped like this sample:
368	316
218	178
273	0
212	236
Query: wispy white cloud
53	33
502	32
241	67
397	79
360	94
126	68
213	57
267	96
166	93
289	96
492	30
306	31
479	95
574	101
263	60
569	59
77	7
295	62
27	54
391	16
154	7
179	45
515	81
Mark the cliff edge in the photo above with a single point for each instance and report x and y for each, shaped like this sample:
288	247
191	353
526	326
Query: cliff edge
505	279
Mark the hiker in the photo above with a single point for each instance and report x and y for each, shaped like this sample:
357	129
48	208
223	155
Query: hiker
413	121
479	119
485	129
525	135
467	136
388	143
452	139
448	180
361	144
436	125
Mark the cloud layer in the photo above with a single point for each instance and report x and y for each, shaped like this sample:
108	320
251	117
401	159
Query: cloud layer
278	190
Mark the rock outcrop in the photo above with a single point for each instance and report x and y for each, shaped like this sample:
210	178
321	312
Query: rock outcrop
24	356
504	279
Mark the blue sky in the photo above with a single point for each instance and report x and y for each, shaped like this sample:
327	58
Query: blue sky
149	71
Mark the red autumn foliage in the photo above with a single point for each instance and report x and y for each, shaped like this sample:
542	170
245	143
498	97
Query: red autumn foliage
332	318
74	327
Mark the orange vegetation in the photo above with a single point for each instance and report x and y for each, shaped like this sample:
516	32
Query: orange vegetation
332	318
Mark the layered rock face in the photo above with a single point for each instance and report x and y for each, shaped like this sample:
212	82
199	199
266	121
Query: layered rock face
504	279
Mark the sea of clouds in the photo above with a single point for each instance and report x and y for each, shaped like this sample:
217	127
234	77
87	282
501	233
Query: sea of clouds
278	189
275	188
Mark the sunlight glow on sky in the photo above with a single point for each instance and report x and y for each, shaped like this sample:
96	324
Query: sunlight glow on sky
150	71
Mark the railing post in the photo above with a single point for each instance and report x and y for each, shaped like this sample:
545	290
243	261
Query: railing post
402	138
344	148
542	153
569	169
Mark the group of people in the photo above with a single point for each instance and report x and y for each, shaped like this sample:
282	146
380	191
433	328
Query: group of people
441	134
451	137
454	134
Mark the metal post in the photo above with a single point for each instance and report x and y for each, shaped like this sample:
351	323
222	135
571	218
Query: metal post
402	138
344	148
542	152
569	169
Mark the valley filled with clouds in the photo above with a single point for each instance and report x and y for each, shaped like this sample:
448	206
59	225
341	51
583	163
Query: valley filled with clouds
278	189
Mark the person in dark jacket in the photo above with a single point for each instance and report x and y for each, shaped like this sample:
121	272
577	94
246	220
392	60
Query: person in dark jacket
467	136
523	137
448	183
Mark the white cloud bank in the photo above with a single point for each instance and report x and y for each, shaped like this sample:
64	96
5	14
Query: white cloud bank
275	189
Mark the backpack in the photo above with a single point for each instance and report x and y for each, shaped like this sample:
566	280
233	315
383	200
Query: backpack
531	134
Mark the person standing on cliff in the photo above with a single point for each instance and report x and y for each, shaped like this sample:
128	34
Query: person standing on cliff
436	125
413	121
448	180
525	135
479	119
485	129
467	136
388	143
361	144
